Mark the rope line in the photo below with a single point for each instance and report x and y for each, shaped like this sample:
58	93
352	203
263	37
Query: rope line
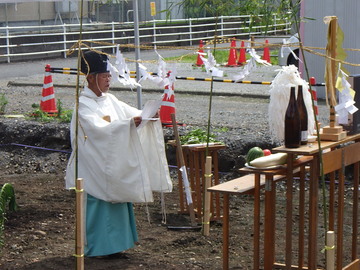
36	147
254	44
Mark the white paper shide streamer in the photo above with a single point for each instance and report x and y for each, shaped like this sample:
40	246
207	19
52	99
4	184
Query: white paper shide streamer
186	185
120	72
166	75
251	65
210	65
287	77
346	99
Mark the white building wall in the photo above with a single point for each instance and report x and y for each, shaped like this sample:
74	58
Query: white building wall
314	33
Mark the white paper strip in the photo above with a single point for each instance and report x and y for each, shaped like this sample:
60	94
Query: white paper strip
186	185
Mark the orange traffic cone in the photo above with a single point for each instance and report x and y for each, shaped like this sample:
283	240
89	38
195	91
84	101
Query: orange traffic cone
199	61
47	103
242	57
167	106
266	55
232	62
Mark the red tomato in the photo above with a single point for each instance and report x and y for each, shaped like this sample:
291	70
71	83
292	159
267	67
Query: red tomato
267	152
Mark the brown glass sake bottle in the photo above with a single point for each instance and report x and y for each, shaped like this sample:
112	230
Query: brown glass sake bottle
292	123
303	115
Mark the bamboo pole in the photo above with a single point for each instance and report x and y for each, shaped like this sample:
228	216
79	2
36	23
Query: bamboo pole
79	231
79	252
330	250
207	200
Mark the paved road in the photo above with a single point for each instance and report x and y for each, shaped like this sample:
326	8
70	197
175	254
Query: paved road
33	72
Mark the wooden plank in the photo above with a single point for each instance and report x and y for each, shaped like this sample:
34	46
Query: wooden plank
282	266
355	265
312	148
313	214
355	223
301	218
269	223
257	222
332	201
352	153
216	182
242	184
332	130
340	221
289	211
226	232
332	161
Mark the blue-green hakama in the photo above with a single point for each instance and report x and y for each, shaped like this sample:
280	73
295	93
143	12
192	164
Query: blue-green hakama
110	227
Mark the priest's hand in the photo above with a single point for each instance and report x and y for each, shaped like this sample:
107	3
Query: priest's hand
137	120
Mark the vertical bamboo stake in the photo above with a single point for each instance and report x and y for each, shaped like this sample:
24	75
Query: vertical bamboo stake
207	200
79	231
79	253
330	250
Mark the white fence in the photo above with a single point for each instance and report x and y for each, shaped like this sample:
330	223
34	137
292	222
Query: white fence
22	42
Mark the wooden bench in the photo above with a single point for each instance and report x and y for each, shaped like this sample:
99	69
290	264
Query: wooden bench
245	184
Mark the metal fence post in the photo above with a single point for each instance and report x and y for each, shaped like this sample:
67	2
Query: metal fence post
222	25
190	30
113	35
7	43
64	36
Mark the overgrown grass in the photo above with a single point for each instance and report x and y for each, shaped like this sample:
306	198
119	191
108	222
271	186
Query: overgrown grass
3	103
41	116
7	202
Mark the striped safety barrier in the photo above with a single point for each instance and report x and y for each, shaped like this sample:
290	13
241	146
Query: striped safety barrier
73	71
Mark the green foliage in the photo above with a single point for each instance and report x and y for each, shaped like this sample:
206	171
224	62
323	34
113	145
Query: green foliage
197	136
3	103
261	11
7	201
61	116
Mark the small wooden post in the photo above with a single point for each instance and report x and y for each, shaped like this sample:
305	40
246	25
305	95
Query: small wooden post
79	249
330	250
207	196
332	132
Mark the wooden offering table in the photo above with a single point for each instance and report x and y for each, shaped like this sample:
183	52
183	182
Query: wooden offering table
338	155
335	158
253	182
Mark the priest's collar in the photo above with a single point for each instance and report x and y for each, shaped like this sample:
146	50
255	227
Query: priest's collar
90	94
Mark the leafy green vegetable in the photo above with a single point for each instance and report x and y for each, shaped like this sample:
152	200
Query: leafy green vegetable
197	136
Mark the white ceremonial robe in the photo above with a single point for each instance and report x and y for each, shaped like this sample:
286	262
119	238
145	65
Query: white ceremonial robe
118	162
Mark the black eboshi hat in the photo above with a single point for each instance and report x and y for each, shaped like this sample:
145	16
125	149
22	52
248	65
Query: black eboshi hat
97	62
